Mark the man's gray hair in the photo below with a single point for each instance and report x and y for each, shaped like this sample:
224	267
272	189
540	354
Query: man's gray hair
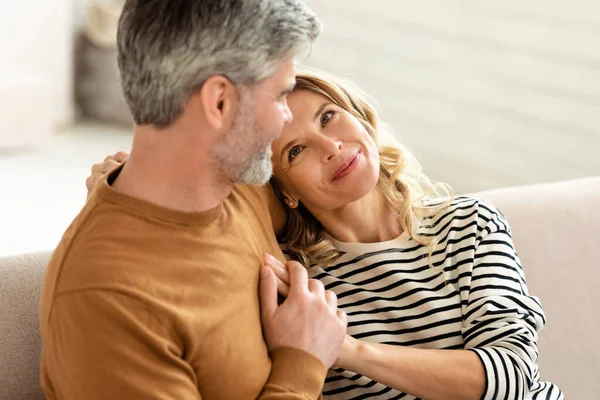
169	48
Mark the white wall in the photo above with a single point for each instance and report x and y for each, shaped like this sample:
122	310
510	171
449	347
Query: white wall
79	12
488	93
36	37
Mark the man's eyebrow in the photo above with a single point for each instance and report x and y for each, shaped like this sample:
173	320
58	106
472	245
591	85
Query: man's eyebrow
289	89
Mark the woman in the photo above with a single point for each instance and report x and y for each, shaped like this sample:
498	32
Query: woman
436	299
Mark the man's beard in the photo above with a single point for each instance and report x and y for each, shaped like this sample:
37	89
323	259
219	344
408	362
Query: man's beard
241	154
258	169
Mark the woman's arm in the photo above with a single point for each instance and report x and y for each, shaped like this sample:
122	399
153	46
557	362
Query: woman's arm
501	325
428	374
501	319
424	373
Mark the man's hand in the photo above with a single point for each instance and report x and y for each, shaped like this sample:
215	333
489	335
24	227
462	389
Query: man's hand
101	169
307	320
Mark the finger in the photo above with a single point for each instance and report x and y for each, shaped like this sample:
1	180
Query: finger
298	278
331	299
90	184
109	165
97	168
343	317
91	180
268	294
269	259
316	287
282	288
281	273
278	267
121	156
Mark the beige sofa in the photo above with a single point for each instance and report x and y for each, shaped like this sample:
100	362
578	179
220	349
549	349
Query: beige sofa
556	229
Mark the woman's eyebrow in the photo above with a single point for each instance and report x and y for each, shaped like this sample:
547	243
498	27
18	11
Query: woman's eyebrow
320	110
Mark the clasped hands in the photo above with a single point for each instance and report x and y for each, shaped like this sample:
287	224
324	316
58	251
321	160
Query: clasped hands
284	275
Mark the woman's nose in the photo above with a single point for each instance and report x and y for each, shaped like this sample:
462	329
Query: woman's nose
331	148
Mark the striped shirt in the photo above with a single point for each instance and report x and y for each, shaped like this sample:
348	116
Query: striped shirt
474	297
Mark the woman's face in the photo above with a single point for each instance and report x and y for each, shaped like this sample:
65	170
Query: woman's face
324	158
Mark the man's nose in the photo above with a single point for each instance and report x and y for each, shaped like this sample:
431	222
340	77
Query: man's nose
288	117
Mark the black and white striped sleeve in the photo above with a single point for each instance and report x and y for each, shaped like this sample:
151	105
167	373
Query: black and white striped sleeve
501	320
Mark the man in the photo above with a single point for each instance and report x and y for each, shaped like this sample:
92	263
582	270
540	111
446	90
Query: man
152	292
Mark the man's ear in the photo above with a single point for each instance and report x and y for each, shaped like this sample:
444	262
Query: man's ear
219	99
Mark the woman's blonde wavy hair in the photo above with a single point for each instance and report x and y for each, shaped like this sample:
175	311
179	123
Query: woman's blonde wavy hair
401	180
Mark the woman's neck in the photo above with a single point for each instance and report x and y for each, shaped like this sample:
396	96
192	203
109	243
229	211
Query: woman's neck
370	219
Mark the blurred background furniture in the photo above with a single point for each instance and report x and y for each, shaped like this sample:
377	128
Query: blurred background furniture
555	229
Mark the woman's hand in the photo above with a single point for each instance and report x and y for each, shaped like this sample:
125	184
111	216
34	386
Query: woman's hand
350	346
281	273
348	353
101	169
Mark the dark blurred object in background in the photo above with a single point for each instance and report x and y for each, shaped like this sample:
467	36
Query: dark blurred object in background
97	85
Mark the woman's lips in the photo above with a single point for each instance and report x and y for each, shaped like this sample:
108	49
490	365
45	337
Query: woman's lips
347	167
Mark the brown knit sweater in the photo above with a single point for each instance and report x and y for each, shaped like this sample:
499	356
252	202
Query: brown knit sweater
142	302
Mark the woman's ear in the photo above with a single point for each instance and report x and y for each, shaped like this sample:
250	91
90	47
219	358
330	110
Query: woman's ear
283	194
289	200
219	101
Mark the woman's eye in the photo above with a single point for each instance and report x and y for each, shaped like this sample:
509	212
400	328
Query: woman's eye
294	151
326	117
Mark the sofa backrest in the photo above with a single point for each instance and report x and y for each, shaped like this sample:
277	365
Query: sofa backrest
556	230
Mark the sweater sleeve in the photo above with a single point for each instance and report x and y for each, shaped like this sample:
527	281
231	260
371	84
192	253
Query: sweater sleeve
502	320
295	375
276	208
103	344
267	196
